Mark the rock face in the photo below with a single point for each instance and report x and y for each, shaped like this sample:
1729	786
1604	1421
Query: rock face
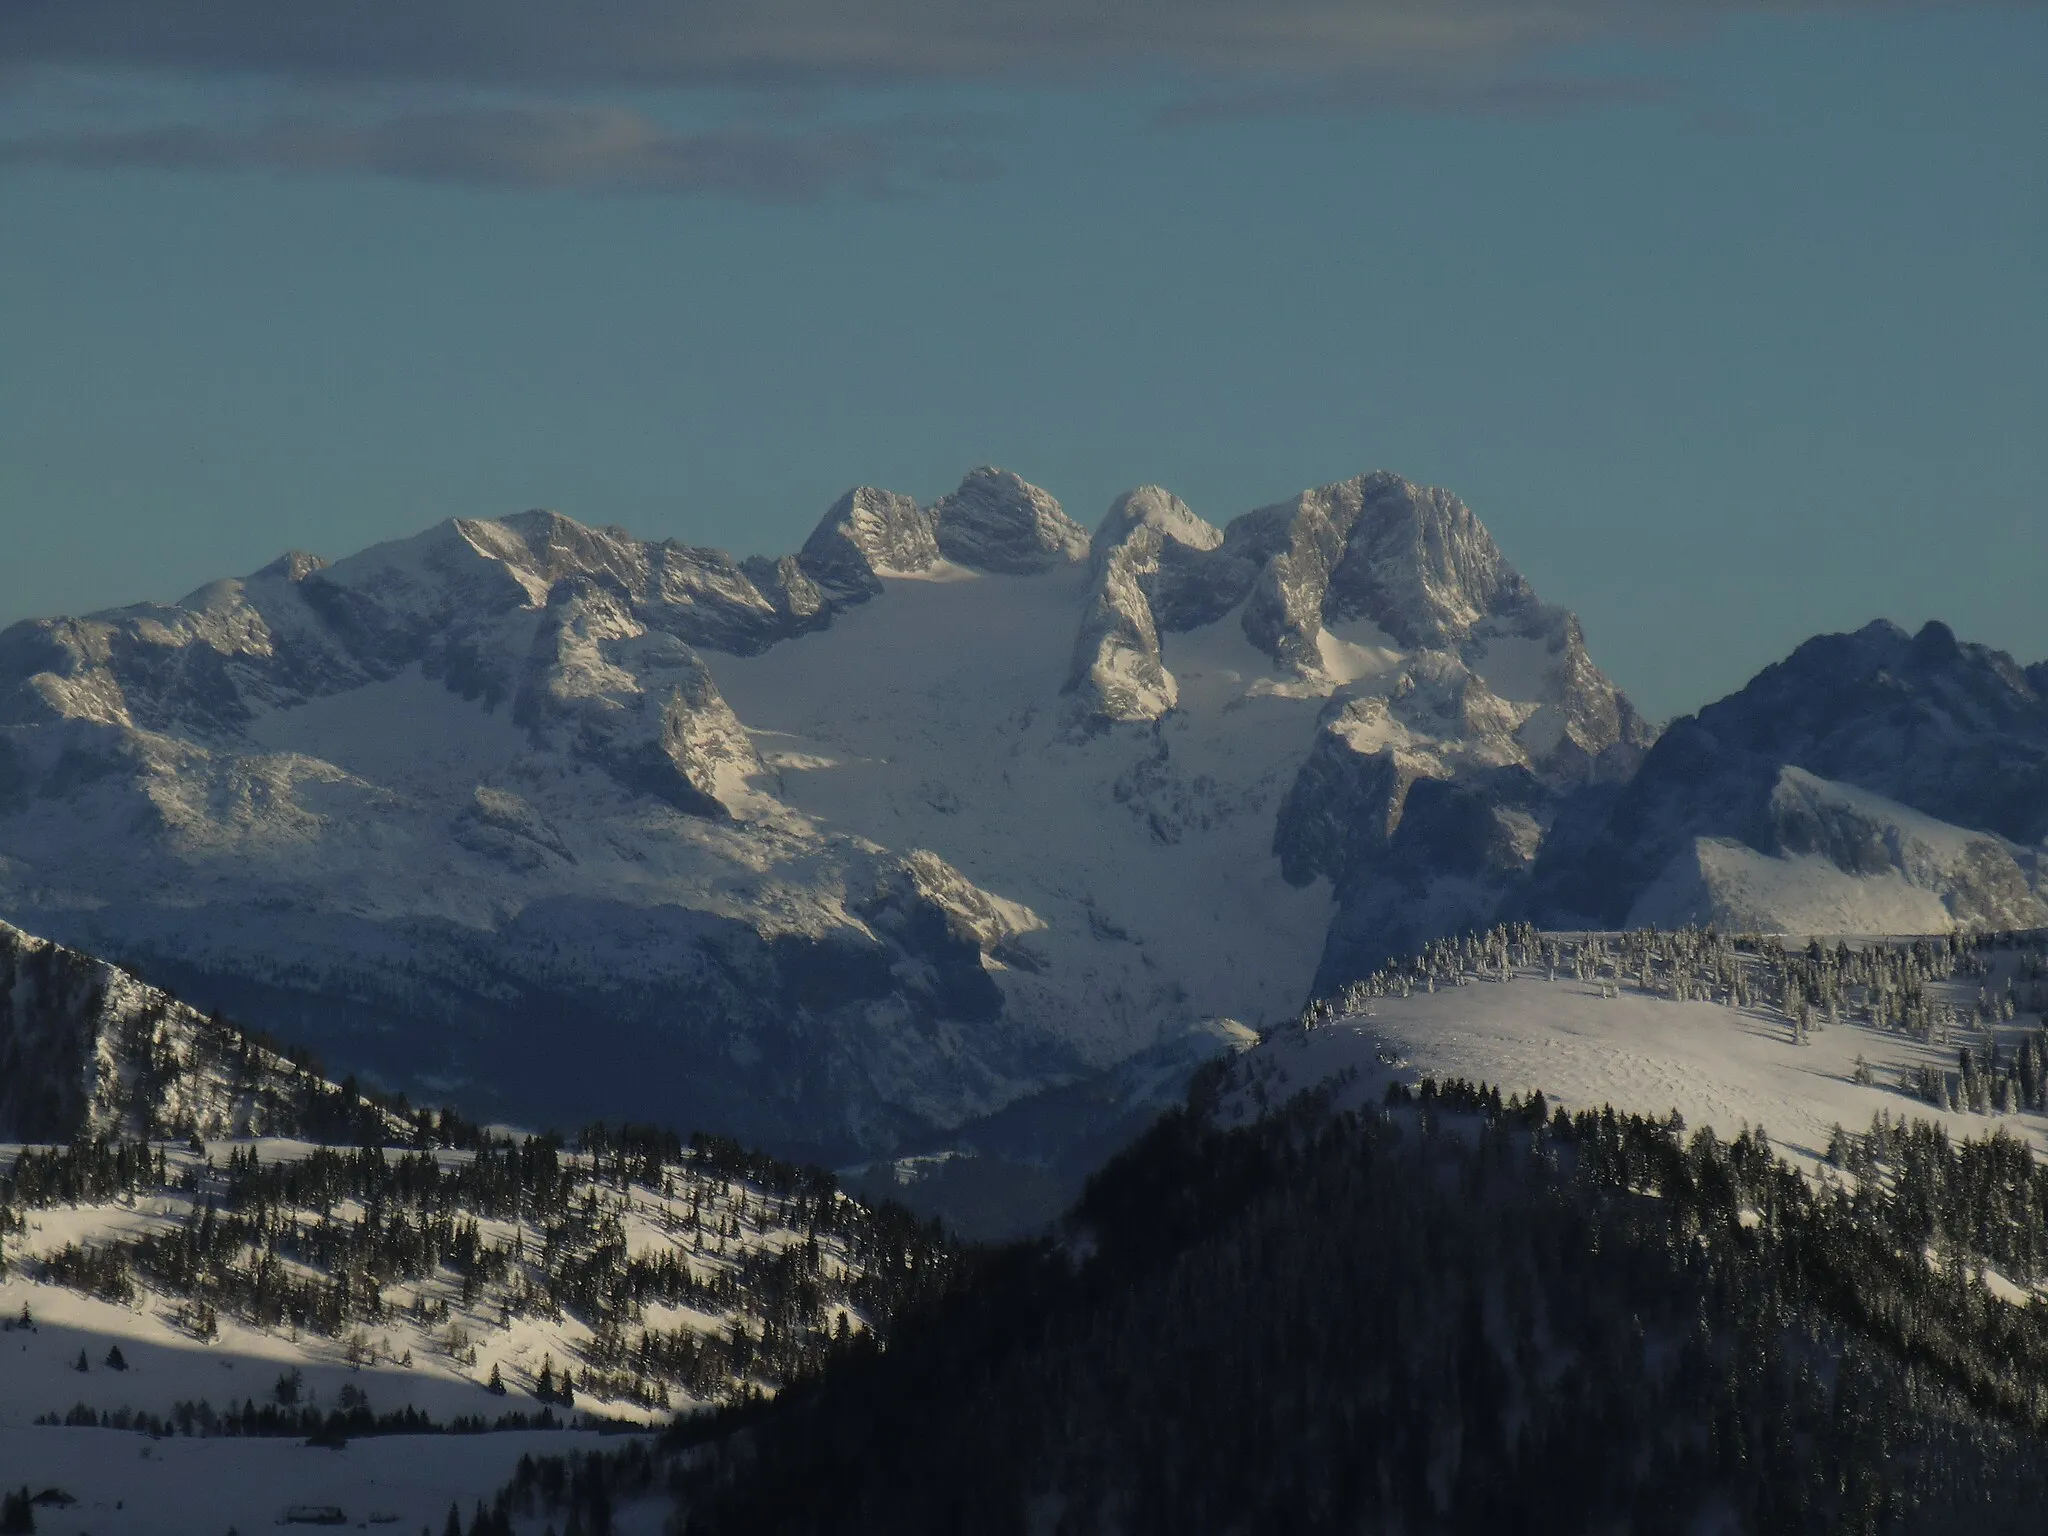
1145	546
867	535
953	808
995	522
1464	710
1875	781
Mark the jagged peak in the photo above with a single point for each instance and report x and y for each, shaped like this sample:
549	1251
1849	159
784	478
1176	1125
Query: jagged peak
866	534
1152	506
1423	558
1884	647
552	546
294	565
999	522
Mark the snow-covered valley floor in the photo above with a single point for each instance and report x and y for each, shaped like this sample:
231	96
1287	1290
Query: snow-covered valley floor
127	1484
687	1282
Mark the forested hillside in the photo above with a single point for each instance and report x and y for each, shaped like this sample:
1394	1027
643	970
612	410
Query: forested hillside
632	1269
1454	1314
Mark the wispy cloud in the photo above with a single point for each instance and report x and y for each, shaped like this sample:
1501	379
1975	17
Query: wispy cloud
527	93
1515	95
553	44
529	145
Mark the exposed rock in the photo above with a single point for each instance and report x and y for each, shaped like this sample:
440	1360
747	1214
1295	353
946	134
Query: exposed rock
1150	509
506	827
636	702
1344	806
869	534
1419	565
998	523
1412	561
1444	669
1117	674
802	605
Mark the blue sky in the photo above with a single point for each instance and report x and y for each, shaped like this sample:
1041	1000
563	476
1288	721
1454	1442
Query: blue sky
1731	330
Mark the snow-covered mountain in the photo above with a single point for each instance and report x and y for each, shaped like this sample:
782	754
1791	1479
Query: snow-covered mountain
1875	782
954	806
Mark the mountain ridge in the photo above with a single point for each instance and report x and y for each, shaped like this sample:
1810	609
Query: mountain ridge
1918	761
836	850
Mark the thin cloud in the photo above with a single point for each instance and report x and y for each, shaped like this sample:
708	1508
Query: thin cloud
553	45
1513	96
529	145
416	88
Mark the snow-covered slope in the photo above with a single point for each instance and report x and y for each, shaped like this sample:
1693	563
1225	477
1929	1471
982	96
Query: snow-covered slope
175	1265
86	1050
187	1182
1651	1023
834	851
135	1485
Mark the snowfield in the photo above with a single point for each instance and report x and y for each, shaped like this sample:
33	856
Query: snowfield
1585	1044
1138	876
953	807
132	1485
130	1482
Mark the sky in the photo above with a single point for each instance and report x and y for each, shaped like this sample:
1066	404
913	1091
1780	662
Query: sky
1730	320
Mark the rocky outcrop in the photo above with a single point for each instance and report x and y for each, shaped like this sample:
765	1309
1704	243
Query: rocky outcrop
1463	711
869	534
634	701
998	523
1117	674
506	827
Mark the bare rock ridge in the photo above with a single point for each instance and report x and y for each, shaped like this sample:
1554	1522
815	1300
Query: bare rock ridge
1394	600
994	522
867	535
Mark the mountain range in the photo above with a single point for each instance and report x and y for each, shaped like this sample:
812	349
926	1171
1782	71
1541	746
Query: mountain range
946	815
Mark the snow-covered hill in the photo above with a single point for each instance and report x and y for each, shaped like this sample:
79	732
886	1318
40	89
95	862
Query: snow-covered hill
955	806
1953	1031
177	1257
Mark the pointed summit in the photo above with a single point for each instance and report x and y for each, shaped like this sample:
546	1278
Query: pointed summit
868	534
1156	508
999	523
292	565
1411	559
